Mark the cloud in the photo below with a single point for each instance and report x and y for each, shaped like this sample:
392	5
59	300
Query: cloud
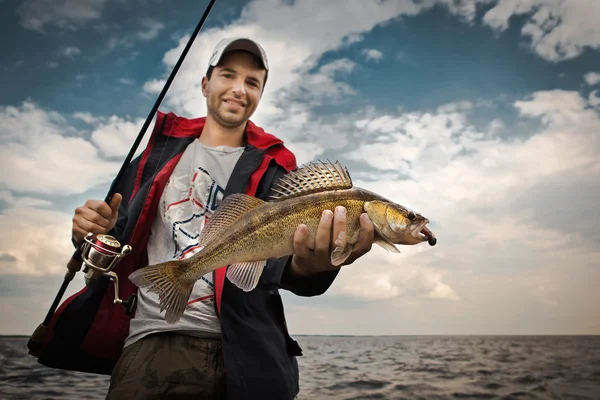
559	29
43	153
315	89
594	99
380	277
71	51
34	241
373	54
455	106
52	64
479	190
126	81
466	9
86	117
7	258
66	14
150	30
114	136
13	201
16	65
592	78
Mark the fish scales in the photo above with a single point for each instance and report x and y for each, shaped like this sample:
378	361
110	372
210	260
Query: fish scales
267	231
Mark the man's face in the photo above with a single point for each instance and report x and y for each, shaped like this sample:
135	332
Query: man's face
234	89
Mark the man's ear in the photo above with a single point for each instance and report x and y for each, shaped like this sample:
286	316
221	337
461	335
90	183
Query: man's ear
204	85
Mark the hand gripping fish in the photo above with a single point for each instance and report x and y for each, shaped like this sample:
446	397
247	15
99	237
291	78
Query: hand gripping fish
245	231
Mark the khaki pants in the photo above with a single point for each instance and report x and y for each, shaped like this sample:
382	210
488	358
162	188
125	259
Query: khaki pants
169	366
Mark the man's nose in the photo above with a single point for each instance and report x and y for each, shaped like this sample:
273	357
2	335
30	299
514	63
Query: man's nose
239	87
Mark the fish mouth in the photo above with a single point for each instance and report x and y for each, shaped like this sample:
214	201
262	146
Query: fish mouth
422	232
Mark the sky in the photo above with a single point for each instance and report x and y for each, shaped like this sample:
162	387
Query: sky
482	115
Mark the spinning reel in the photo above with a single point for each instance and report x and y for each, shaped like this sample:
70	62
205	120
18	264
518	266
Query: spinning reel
100	254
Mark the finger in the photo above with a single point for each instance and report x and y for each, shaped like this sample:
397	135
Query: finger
339	227
92	216
365	239
323	237
78	234
301	242
115	203
88	226
100	207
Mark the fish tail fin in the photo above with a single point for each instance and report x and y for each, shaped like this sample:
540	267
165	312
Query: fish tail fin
166	280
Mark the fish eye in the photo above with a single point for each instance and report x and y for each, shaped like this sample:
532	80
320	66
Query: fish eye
411	216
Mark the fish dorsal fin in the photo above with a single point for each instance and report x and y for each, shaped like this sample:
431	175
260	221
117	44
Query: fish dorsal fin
312	178
232	208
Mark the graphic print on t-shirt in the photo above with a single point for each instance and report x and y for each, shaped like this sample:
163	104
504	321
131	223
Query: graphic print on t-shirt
187	207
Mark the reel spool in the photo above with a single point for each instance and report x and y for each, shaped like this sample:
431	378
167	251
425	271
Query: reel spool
100	254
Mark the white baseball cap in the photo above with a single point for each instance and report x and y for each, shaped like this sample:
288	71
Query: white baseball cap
239	43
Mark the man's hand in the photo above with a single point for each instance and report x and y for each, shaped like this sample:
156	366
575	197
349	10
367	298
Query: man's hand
314	256
95	216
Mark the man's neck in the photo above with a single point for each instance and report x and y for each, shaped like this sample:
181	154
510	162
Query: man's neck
214	135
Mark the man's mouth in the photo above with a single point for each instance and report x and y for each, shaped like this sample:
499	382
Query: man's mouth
235	103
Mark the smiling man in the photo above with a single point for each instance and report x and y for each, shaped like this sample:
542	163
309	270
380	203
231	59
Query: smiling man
229	343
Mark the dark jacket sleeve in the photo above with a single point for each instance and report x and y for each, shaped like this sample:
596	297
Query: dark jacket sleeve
125	189
276	274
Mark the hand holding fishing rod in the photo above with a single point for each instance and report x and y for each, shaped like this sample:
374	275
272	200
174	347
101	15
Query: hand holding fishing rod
95	216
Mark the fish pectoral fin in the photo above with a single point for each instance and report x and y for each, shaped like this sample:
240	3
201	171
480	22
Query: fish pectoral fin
382	242
341	254
246	275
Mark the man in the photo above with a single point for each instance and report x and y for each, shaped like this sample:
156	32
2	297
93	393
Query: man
229	343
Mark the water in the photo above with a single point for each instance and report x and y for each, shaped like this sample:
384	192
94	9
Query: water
403	367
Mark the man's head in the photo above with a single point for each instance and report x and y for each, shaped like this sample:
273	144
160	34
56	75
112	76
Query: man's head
235	81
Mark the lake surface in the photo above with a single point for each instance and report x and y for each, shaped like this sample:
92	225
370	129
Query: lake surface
391	367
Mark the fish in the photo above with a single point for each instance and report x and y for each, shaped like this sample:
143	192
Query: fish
245	232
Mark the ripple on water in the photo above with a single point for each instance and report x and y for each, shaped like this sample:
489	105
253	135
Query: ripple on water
475	395
361	384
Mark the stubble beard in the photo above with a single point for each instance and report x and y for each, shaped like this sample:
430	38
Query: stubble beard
227	121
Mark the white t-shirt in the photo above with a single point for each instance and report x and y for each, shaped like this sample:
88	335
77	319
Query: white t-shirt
193	192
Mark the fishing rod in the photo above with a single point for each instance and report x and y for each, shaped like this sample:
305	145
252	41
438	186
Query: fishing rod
102	252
